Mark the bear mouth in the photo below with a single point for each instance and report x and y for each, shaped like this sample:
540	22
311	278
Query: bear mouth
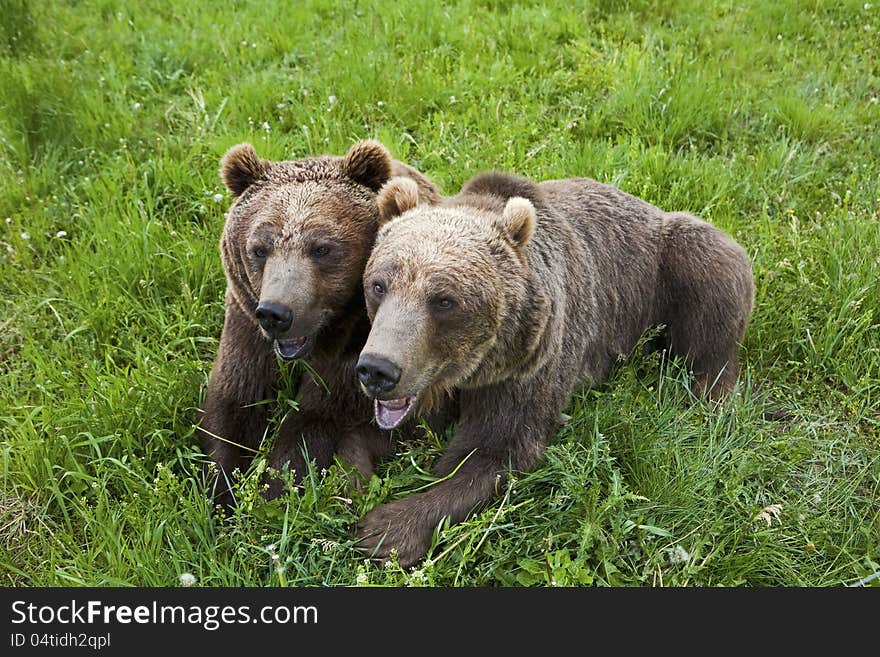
291	349
391	412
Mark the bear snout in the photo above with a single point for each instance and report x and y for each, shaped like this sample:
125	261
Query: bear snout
377	374
275	318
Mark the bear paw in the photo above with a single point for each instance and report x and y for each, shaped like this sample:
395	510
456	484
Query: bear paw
397	527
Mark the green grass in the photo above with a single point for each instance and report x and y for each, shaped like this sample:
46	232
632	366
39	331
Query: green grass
760	117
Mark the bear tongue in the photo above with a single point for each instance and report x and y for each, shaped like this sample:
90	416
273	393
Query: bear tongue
390	413
289	349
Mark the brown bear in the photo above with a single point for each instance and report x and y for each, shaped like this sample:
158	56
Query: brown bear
511	293
294	246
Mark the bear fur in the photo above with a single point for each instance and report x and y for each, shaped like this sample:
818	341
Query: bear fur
510	294
296	238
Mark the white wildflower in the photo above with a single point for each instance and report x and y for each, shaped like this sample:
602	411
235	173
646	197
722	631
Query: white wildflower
679	555
61	233
25	236
187	579
416	578
218	197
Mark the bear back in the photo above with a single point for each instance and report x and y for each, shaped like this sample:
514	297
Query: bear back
492	189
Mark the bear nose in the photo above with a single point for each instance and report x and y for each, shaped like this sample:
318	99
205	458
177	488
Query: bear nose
275	318
377	374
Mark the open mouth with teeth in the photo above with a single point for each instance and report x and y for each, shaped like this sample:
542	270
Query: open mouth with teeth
391	412
291	349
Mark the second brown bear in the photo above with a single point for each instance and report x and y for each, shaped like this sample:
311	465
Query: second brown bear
513	292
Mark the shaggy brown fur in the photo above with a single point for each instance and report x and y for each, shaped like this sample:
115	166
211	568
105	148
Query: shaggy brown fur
513	292
296	238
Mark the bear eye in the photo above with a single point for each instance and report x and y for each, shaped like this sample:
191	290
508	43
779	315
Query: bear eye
378	289
321	250
260	252
443	303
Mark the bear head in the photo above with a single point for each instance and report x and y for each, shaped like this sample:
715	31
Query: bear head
297	238
444	287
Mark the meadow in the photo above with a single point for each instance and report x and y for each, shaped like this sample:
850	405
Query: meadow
762	118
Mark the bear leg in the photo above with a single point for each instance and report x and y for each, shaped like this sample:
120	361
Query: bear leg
706	294
301	435
233	421
501	428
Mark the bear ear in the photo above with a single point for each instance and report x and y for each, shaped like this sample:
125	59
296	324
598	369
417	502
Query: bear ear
518	221
241	167
368	163
396	197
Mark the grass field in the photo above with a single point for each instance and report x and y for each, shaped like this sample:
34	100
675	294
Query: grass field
760	117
